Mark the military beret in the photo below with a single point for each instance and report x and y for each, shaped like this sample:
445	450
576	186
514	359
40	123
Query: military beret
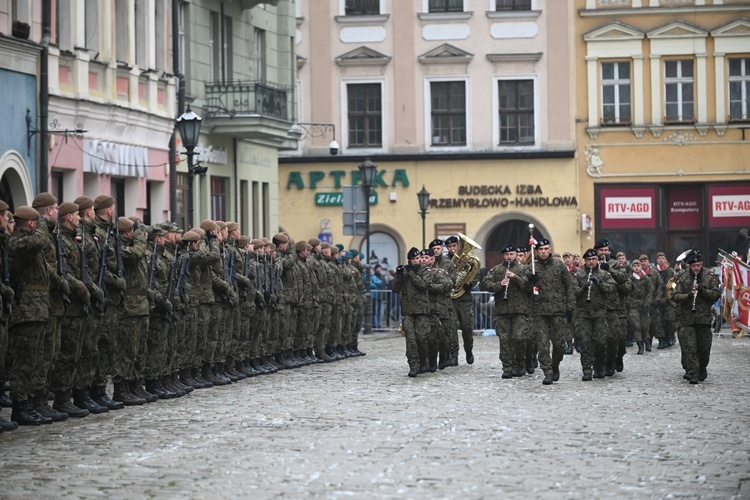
661	254
413	252
437	242
84	202
200	231
339	246
542	243
509	248
257	243
643	257
265	240
361	256
103	201
589	253
451	239
567	254
324	245
67	208
232	226
3	206
271	247
191	236
425	251
208	225
43	200
619	254
314	241
26	213
157	230
693	257
347	255
134	218
242	241
522	249
125	224
604	242
280	238
221	224
301	246
354	252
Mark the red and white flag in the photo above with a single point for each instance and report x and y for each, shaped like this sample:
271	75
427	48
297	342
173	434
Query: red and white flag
741	305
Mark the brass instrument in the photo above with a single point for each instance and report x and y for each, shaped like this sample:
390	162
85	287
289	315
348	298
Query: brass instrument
467	265
695	292
588	280
671	285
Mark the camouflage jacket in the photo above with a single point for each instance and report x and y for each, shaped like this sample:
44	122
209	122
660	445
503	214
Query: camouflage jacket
324	277
441	285
556	294
621	275
29	275
291	278
80	299
516	298
643	290
136	274
708	293
103	227
413	285
592	301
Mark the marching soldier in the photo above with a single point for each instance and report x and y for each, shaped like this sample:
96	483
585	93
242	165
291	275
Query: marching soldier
657	301
638	304
464	308
666	273
443	302
617	332
415	309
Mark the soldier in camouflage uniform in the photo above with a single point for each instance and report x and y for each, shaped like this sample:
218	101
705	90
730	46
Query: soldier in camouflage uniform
552	303
211	287
410	283
446	312
594	288
464	308
696	291
305	308
318	262
333	338
657	301
319	282
439	291
195	333
666	273
358	302
27	327
639	318
616	313
509	282
7	294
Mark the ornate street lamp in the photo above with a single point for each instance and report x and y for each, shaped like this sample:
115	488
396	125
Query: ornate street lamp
367	171
189	126
424	201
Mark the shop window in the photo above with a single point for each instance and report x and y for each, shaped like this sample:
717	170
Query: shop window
516	111
679	91
219	197
446	5
512	5
448	113
739	89
616	84
365	115
362	7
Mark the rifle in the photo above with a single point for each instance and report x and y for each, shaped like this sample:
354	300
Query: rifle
85	269
6	271
267	278
245	290
172	286
118	256
152	270
182	285
62	266
103	262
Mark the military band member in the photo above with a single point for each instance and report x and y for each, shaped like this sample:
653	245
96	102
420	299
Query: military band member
666	273
638	301
415	310
657	301
464	307
440	288
616	314
446	315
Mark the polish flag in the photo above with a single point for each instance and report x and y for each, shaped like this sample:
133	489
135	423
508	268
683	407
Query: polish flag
741	306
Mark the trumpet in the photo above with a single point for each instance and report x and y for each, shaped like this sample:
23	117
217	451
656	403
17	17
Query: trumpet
507	280
695	292
590	284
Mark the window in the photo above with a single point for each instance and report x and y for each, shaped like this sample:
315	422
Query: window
117	191
141	36
362	7
161	30
181	39
365	115
256	209
266	208
181	192
244	208
516	109
512	4
616	93
218	198
446	5
220	53
678	80
91	20
448	113
259	50
121	30
213	46
63	35
739	89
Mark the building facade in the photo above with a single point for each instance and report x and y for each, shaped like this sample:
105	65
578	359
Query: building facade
470	99
662	118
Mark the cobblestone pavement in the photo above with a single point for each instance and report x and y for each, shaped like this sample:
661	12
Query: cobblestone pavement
360	428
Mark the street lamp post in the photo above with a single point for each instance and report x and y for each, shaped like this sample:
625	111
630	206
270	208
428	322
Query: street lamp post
189	125
424	201
367	171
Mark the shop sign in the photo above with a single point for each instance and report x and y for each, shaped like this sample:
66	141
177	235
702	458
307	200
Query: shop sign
503	196
383	178
685	208
627	208
103	157
730	205
337	199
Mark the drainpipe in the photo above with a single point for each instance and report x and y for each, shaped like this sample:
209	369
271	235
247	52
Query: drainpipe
180	106
43	152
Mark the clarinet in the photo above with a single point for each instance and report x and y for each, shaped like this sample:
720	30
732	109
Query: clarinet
507	270
588	280
695	292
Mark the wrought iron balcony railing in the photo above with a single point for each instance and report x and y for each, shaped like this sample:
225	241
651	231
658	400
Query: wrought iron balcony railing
230	99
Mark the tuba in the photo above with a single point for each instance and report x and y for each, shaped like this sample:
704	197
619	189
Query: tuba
671	285
467	265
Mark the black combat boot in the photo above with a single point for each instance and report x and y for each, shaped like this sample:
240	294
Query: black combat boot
529	366
507	374
640	347
619	366
520	370
153	388
413	372
469	357
432	367
23	413
168	385
175	382
99	394
231	372
8	425
703	374
610	370
647	343
599	372
200	382
41	405
547	379
136	389
82	399
629	340
220	373
694	378
586	375
5	401
568	347
123	395
62	403
208	375
555	372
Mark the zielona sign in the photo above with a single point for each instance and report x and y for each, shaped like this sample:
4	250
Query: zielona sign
383	178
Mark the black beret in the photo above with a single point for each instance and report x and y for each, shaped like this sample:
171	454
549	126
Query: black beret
693	257
451	239
542	242
589	253
425	251
522	249
509	248
604	242
436	243
413	252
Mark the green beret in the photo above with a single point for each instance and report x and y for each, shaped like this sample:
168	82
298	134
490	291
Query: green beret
339	246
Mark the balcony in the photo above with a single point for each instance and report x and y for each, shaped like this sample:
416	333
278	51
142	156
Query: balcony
249	110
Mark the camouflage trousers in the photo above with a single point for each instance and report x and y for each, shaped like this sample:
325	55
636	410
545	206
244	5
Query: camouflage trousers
300	333
617	333
324	327
48	350
549	331
639	322
512	332
26	357
358	317
655	327
695	343
202	318
592	333
3	347
313	322
227	332
107	345
416	329
130	329
212	334
446	328
288	329
187	340
71	342
334	335
276	323
89	359
464	316
156	348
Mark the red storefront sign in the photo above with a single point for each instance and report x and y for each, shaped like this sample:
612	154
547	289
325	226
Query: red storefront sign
627	208
685	207
730	205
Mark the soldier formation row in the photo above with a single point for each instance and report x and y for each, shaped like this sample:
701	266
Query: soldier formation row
89	297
